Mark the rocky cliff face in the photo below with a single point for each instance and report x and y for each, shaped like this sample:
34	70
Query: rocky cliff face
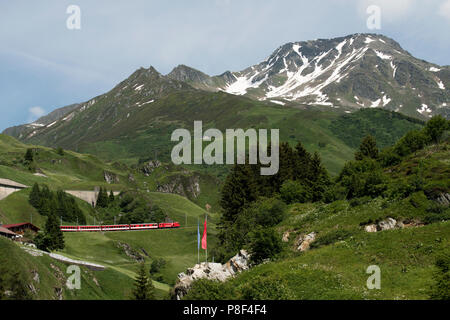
186	186
210	271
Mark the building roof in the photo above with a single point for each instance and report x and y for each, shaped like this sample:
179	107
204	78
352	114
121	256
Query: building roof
6	231
7	182
14	225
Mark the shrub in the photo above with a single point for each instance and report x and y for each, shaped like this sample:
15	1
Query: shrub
157	265
359	201
440	290
436	127
265	244
418	200
411	142
204	289
367	148
295	192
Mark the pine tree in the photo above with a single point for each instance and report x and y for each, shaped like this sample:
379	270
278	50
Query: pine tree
238	190
35	196
143	286
102	199
55	234
111	197
302	163
29	155
319	177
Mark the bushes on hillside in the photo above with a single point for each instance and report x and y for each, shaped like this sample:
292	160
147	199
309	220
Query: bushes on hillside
440	290
157	265
14	284
204	289
415	140
262	287
362	178
262	214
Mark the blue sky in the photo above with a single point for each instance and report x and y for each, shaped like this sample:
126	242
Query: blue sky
44	65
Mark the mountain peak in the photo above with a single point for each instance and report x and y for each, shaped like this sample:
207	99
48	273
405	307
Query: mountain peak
187	74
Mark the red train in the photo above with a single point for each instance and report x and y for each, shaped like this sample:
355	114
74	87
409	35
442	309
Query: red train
121	227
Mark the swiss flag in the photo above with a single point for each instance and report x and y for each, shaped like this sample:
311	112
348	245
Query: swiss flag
204	246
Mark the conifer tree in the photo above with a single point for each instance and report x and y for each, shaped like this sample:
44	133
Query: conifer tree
53	231
29	155
111	197
302	164
367	149
35	196
143	286
238	190
319	177
102	199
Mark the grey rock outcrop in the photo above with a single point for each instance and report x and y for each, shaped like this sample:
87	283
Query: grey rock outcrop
211	271
305	241
149	167
390	224
110	177
181	185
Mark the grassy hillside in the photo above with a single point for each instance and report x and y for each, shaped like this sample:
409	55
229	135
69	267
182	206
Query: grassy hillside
83	172
46	276
127	125
334	266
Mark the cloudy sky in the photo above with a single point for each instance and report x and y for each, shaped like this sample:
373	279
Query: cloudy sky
45	65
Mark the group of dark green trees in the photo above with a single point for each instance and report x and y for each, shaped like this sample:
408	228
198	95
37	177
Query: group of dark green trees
128	207
103	200
58	203
56	206
253	204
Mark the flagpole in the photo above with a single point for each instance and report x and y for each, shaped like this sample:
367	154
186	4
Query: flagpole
198	241
206	219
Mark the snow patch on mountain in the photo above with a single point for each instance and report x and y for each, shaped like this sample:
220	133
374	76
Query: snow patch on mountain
424	110
386	100
382	55
368	40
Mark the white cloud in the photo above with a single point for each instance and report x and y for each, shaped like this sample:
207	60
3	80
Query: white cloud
35	113
444	9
